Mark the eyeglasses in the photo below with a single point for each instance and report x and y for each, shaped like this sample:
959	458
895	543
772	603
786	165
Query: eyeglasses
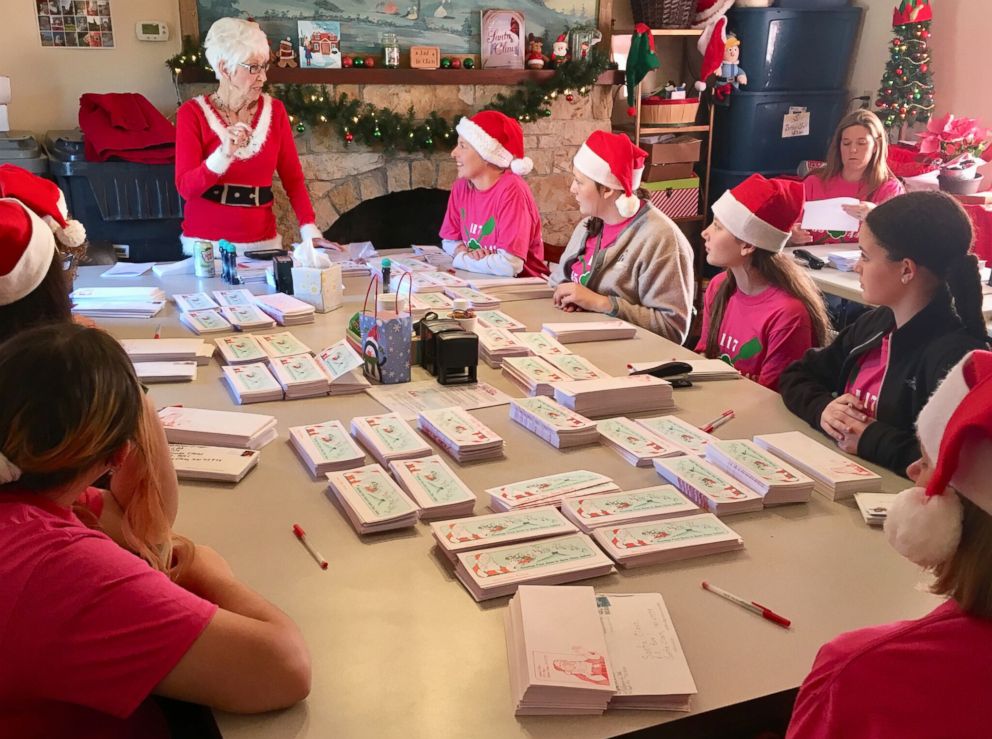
255	68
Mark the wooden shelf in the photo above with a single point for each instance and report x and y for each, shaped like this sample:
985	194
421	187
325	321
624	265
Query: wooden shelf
377	76
689	219
661	31
664	129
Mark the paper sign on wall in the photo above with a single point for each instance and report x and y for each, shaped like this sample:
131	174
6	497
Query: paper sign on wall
795	123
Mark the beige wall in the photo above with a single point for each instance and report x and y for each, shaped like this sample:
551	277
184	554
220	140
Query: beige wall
46	83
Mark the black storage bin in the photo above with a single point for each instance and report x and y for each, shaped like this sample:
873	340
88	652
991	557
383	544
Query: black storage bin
795	49
722	180
119	202
22	149
750	129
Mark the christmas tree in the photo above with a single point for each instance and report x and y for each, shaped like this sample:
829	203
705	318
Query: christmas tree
906	92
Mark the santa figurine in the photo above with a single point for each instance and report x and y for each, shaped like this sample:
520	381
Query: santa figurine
559	50
287	54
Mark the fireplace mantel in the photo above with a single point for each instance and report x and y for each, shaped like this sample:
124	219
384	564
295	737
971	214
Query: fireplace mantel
281	76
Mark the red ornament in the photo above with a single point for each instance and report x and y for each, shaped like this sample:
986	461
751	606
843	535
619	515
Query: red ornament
456	63
925	34
898	71
924	67
896	41
570	97
349	137
370	61
346	62
888	90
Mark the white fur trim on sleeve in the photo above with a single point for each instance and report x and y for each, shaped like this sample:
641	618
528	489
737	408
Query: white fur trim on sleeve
310	231
218	162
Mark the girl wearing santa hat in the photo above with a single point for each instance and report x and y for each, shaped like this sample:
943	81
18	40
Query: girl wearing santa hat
229	144
626	258
928	677
763	311
141	503
866	389
91	632
492	224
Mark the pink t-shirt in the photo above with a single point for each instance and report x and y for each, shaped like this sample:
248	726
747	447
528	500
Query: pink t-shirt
926	679
865	383
87	630
505	216
838	187
760	334
610	233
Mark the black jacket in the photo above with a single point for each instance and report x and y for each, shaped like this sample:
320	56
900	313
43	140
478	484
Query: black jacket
920	354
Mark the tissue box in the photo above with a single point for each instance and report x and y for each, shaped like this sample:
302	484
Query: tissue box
321	288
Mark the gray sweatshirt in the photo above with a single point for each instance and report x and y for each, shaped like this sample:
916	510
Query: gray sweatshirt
648	269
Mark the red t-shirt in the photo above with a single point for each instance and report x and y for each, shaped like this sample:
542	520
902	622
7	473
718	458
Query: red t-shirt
87	630
865	383
610	233
837	187
760	334
923	679
505	217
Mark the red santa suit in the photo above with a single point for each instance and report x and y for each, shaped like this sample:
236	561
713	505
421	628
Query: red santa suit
201	165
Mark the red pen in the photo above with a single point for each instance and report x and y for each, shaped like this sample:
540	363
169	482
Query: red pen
302	536
158	332
718	421
763	611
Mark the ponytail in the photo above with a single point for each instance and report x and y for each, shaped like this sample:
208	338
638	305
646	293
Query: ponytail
962	276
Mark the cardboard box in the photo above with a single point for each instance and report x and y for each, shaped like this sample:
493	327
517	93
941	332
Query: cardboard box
321	288
673	171
675	198
679	149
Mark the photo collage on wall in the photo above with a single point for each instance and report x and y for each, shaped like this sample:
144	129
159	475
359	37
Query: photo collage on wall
77	24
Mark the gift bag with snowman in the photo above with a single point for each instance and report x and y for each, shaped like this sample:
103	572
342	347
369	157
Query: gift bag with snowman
386	338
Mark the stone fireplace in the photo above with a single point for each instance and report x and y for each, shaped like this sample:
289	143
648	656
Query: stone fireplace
341	176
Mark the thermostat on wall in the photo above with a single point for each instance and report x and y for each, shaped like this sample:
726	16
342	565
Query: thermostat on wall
151	31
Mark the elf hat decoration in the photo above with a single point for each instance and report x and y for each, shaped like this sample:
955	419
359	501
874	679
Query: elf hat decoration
45	199
498	139
955	431
711	17
26	250
761	212
641	59
611	159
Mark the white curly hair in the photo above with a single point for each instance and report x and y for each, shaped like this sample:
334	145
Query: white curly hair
234	41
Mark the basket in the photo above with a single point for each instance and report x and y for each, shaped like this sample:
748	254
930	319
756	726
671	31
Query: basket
663	13
669	112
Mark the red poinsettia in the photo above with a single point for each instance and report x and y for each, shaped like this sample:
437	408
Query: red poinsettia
949	138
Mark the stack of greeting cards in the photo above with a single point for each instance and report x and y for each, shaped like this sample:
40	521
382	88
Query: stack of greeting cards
616	395
496	344
423	303
237	296
513	288
836	476
208	321
681	433
568	333
217	428
558	652
774	479
576	367
165	350
371	500
213	463
498	319
460	434
117	302
282	344
251	383
553	422
590	512
152	372
874	507
479	532
533	374
445	279
287	310
548	490
707	486
389	438
186	302
246	317
433	255
634	442
420	283
667	540
300	376
477	300
326	447
244	349
499	571
703	370
649	666
434	487
541	344
341	363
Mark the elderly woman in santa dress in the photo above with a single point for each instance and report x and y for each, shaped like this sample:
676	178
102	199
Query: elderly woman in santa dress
231	142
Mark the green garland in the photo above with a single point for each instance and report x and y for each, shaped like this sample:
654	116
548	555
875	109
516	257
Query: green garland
364	123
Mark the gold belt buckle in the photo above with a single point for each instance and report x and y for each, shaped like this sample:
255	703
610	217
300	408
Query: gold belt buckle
223	195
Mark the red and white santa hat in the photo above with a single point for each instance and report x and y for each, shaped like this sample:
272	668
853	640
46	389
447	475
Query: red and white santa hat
26	250
955	431
611	159
711	17
498	139
43	197
761	212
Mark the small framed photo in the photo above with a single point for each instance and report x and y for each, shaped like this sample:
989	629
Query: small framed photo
503	39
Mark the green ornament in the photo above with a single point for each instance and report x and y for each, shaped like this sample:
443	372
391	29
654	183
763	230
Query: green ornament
429	142
358	62
446	62
377	133
546	113
469	63
300	127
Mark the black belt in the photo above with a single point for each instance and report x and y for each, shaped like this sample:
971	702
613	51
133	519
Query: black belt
243	195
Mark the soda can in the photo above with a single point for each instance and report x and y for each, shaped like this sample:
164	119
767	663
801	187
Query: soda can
203	260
